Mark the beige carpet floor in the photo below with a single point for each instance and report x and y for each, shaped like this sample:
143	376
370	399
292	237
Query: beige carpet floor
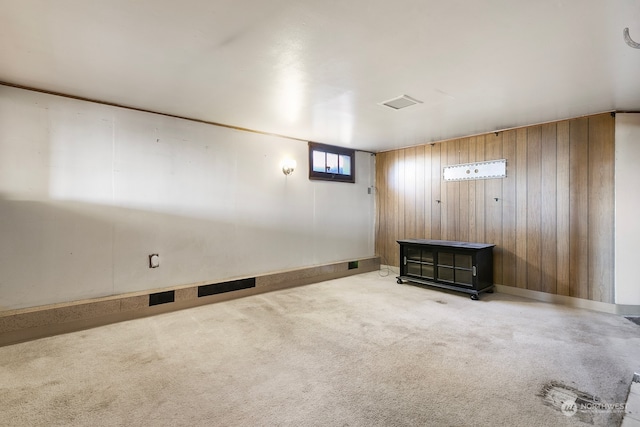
358	351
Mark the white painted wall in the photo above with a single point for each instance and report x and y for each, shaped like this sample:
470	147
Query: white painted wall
88	191
627	228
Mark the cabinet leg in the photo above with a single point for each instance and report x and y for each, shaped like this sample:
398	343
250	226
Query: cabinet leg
474	297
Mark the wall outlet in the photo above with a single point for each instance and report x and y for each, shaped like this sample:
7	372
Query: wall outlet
154	261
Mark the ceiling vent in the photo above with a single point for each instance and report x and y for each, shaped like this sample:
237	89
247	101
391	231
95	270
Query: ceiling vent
401	102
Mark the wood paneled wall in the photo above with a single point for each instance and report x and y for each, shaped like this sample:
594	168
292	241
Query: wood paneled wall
551	218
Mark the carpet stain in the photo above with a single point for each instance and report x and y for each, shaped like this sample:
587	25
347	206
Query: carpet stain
570	401
440	301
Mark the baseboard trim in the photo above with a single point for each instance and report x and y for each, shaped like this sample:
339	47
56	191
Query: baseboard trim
43	321
619	309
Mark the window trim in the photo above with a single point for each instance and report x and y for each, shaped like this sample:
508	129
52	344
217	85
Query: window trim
325	176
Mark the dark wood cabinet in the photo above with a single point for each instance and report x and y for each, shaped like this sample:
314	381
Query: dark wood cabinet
459	266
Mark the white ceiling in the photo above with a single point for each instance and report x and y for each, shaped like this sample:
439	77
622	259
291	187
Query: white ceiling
318	70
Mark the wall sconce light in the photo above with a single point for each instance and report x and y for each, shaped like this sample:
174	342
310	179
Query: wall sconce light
288	166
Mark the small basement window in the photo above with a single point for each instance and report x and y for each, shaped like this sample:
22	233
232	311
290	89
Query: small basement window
331	163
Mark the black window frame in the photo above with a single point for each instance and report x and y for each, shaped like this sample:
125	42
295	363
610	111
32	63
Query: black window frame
332	149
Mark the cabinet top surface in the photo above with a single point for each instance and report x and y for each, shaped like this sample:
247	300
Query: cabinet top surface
447	243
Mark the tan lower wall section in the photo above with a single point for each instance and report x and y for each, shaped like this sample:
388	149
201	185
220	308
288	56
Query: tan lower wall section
38	322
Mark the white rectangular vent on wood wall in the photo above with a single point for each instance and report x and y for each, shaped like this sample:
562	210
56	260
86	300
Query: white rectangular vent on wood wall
479	170
401	102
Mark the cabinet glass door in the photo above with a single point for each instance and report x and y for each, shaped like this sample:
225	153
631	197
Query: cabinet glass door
445	258
413	268
463	261
413	253
419	262
445	274
427	271
464	277
464	264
